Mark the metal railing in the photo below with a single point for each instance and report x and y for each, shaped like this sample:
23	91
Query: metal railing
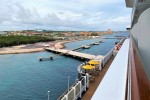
107	57
76	90
113	85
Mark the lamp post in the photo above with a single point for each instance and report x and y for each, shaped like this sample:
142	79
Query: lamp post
68	83
48	94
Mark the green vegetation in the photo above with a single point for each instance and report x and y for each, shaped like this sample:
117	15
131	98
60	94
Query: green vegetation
94	34
17	40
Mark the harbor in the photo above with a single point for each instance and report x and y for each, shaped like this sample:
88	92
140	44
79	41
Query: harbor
74	50
38	77
73	53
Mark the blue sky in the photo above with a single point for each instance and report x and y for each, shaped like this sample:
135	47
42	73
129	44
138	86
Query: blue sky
86	15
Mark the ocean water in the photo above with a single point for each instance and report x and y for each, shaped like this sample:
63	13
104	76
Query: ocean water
101	49
95	49
23	77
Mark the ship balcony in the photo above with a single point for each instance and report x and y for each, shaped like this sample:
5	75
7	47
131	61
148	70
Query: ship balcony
125	79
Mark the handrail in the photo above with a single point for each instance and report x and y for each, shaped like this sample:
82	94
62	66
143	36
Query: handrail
67	92
113	85
140	85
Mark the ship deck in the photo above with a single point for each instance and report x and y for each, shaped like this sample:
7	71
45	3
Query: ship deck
93	85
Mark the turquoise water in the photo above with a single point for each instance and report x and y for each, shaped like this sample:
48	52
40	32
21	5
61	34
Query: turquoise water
95	49
101	49
23	77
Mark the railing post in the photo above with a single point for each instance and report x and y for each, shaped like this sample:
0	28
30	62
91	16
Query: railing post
87	78
85	83
100	67
68	83
74	93
80	69
48	94
104	61
80	89
66	97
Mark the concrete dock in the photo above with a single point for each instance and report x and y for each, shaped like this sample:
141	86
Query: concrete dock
74	54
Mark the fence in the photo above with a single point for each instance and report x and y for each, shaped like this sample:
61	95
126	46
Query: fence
110	54
107	57
77	89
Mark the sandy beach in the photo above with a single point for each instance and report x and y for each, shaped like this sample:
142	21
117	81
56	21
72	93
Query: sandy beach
37	47
29	48
61	45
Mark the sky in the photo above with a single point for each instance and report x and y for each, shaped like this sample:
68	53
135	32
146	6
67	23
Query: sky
75	15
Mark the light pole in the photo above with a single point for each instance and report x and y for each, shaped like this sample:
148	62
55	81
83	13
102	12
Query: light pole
48	94
68	83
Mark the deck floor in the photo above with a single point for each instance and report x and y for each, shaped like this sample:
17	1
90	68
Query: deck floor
93	85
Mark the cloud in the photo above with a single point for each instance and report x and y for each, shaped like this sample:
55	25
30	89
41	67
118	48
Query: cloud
119	20
63	15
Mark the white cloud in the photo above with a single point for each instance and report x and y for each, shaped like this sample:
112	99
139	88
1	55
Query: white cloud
119	20
63	15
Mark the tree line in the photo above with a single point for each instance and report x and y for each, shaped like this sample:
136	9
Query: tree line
6	41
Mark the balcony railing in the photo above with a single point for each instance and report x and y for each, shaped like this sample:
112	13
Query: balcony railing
113	85
139	85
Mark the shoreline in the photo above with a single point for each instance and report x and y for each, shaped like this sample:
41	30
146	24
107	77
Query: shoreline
61	45
19	49
31	48
28	48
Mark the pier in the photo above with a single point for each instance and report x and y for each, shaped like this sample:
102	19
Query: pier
74	54
83	47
